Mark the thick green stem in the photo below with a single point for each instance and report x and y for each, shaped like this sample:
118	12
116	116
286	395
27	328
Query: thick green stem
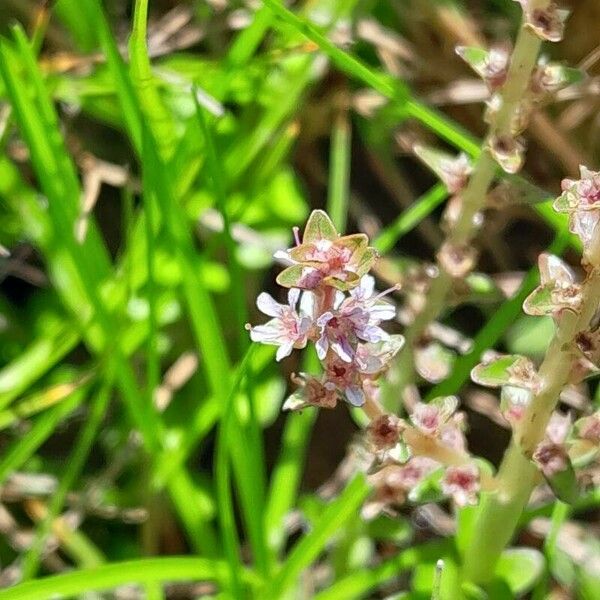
499	514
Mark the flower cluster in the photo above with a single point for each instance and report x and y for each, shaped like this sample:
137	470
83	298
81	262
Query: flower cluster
333	304
580	199
422	459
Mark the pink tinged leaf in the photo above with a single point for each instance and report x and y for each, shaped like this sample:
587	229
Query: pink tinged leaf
452	171
319	227
300	276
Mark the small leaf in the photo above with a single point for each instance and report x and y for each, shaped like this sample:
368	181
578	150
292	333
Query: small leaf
520	568
540	302
511	369
319	227
300	276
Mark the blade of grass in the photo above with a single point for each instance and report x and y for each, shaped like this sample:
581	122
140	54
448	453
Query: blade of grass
23	448
361	582
335	516
158	118
93	13
106	577
339	171
410	218
39	356
77	458
219	185
226	511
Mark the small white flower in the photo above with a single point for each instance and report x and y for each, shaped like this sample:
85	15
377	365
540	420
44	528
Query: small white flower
287	329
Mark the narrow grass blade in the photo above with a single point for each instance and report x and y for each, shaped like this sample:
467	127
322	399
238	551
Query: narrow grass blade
74	467
106	577
23	448
339	171
360	583
335	516
226	512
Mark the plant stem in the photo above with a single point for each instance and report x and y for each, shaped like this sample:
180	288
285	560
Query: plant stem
499	513
473	200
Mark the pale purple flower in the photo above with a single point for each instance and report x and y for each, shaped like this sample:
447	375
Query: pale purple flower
462	484
357	318
581	200
287	329
347	378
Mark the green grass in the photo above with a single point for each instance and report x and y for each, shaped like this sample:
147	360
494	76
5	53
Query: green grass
209	138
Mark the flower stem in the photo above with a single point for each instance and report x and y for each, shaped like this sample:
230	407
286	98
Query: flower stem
473	199
500	512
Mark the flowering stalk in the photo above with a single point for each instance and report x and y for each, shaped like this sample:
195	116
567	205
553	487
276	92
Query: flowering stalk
333	305
501	146
573	353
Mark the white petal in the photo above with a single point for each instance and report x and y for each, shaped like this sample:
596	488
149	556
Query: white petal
268	305
293	295
284	257
322	345
307	303
284	350
269	333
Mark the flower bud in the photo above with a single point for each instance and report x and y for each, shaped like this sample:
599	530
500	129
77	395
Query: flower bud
462	484
384	431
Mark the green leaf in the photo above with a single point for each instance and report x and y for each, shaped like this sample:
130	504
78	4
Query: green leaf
520	568
319	227
510	369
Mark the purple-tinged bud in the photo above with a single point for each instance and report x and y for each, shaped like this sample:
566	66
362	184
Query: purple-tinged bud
507	151
384	431
326	258
548	22
462	484
551	458
491	65
581	201
452	171
311	392
458	260
588	428
431	417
